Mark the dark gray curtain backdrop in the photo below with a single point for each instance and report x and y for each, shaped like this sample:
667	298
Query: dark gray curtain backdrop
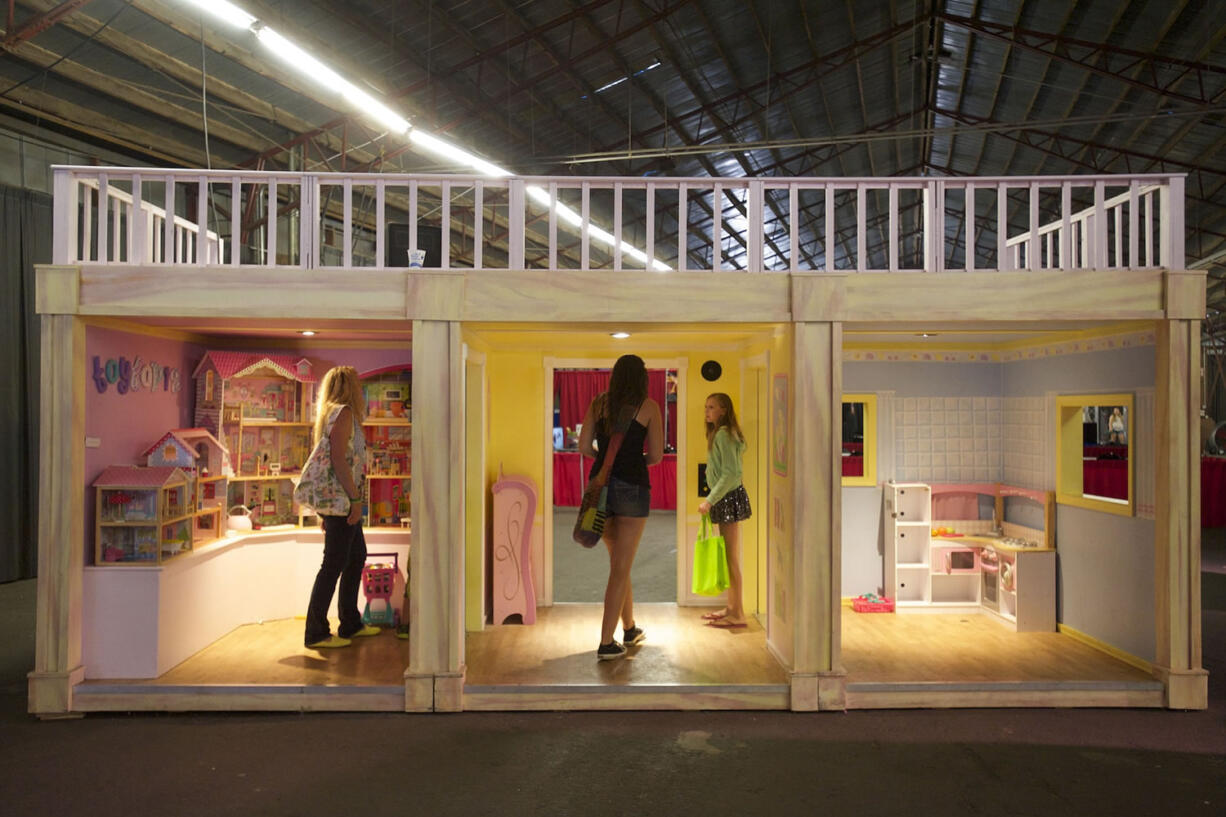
25	240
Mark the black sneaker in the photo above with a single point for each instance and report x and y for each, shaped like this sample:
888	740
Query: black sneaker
609	651
634	635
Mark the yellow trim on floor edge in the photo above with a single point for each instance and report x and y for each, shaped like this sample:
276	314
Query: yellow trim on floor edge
1101	646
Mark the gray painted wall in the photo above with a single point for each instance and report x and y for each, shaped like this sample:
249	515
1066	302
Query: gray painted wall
925	379
1115	370
1105	578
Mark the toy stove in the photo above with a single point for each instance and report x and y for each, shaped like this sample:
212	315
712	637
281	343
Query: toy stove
1013	541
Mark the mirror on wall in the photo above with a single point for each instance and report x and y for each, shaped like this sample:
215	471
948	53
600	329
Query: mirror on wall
858	453
1095	451
853	439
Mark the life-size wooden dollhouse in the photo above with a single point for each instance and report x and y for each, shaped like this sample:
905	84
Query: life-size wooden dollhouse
765	276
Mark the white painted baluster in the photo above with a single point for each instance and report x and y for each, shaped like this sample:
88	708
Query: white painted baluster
617	225
754	238
236	211
116	222
478	224
104	206
1034	255
346	222
683	226
1066	225
651	225
87	222
413	185
1098	238
1147	215
64	246
717	226
585	212
271	231
168	225
1172	238
445	228
1118	214
138	249
794	227
829	227
968	223
553	225
893	227
515	226
861	228
1003	258
1133	222
202	220
380	250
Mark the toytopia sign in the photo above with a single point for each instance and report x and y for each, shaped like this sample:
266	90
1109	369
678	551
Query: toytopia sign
134	375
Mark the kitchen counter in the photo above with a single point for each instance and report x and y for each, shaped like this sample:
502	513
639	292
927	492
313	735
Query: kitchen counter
979	540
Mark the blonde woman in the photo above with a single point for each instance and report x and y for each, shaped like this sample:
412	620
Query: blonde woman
727	502
331	489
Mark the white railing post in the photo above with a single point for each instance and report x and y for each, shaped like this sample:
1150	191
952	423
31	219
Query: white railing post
347	222
1133	223
585	217
202	220
413	190
169	255
445	227
861	228
1171	239
930	221
478	224
892	233
64	246
683	228
755	231
553	225
380	250
1066	225
137	249
651	225
968	224
1034	252
1003	258
515	225
104	208
270	224
308	221
717	226
617	225
1098	240
794	227
829	238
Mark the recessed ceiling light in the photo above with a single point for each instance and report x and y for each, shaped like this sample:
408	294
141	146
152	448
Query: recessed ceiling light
925	334
307	332
619	335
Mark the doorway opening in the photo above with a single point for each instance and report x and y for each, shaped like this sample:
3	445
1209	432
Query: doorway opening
579	575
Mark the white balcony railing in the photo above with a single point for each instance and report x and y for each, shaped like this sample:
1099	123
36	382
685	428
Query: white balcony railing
312	220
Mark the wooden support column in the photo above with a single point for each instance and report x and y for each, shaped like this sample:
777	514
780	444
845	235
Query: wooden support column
1177	617
818	681
61	525
435	677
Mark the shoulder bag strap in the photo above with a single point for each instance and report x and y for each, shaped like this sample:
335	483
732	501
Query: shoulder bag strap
615	443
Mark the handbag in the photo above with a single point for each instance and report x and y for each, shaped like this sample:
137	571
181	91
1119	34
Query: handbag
710	561
593	507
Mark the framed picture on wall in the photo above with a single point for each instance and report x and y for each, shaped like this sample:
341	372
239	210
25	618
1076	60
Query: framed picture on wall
779	424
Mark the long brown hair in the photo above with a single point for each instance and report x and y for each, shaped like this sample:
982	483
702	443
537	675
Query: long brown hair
728	421
627	391
340	387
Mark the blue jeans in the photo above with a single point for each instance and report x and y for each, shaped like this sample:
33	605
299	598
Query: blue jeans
344	558
627	499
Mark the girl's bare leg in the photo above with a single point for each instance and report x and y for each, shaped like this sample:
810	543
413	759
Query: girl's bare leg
731	531
622	535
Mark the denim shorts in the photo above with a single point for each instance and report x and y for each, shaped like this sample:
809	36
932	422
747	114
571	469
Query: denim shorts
627	499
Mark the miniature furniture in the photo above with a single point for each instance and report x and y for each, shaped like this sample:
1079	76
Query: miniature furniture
959	562
206	462
260	407
383	585
514	511
389	445
143	515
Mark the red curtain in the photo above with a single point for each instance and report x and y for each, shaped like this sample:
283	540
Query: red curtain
575	390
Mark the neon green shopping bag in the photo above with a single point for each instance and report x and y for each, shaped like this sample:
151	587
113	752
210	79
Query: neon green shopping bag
710	561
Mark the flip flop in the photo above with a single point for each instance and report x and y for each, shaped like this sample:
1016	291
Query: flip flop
714	616
724	624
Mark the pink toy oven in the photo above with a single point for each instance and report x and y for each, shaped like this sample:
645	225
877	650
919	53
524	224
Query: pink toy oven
955	560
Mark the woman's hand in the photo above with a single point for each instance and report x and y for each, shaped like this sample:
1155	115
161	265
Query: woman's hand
704	507
355	512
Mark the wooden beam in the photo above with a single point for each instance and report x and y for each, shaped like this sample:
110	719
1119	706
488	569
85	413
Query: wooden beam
39	23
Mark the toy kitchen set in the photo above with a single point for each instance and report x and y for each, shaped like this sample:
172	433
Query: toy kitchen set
987	548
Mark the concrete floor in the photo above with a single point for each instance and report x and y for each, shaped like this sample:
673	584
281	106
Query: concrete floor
996	763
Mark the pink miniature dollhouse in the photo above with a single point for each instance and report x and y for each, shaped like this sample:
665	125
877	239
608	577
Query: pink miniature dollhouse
216	388
195	450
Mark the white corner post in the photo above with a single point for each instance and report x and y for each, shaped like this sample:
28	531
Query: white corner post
818	679
61	525
434	679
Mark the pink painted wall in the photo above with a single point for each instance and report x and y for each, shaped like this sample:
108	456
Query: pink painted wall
127	424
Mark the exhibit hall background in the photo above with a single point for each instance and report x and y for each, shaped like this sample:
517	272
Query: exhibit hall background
25	218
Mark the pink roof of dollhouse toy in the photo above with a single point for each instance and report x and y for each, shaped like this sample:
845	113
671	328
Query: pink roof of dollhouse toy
237	364
138	476
186	437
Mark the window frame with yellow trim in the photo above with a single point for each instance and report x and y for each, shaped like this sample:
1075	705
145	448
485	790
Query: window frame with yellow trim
1070	452
869	443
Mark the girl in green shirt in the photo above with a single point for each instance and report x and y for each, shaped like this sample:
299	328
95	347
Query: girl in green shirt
727	502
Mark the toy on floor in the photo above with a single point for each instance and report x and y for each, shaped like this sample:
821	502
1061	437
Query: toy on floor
872	603
383	585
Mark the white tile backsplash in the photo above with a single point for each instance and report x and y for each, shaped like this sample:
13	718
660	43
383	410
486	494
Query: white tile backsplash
951	439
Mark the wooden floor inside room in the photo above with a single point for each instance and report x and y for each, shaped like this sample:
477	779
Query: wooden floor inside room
560	649
272	653
968	648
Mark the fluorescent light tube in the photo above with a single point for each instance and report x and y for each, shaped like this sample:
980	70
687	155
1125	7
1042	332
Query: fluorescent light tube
225	11
438	147
301	61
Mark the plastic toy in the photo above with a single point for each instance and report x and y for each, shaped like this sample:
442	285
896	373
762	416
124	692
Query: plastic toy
383	585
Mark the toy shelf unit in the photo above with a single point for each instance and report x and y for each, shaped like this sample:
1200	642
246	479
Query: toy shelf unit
144	516
270	499
908	542
388	429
